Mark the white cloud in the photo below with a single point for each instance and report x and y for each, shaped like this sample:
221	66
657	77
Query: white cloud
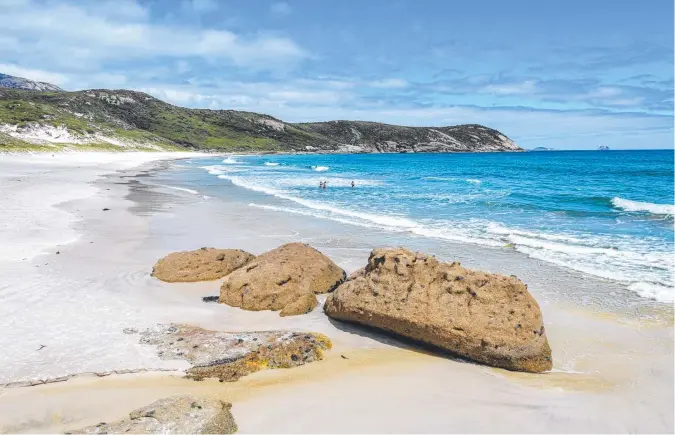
305	97
389	84
604	92
74	35
33	74
281	8
527	87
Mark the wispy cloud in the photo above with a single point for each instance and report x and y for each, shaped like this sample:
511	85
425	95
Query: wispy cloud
389	84
33	74
67	34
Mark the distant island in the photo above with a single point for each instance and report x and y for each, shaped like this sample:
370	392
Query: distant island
543	149
603	148
42	117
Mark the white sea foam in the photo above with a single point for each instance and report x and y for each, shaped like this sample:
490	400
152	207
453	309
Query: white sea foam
310	213
497	228
472	180
320	168
637	206
220	169
655	291
182	189
230	160
271	164
439	178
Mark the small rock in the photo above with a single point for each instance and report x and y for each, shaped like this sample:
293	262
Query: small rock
106	209
205	264
174	415
229	356
210	298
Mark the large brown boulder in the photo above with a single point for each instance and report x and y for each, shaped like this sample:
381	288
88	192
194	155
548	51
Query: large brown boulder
205	264
174	415
280	277
484	317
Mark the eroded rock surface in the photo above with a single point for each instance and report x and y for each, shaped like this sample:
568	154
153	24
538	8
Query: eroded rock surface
205	264
484	317
173	415
303	305
229	355
281	277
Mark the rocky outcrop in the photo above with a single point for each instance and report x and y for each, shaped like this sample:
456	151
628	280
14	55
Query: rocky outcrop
491	319
205	264
229	355
174	415
7	81
281	277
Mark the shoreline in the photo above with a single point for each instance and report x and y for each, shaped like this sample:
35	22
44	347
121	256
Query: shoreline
145	222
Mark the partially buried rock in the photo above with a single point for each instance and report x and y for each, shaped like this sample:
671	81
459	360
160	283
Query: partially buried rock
174	415
205	264
484	317
231	355
287	275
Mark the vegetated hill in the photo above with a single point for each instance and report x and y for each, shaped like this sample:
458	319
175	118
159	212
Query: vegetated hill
7	81
116	118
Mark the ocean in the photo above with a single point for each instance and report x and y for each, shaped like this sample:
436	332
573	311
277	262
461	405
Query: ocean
607	214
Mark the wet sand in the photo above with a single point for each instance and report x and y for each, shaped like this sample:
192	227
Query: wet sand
613	368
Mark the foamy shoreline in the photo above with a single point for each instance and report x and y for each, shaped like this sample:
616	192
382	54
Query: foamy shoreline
612	392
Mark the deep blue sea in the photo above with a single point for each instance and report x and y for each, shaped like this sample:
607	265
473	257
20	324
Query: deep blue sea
608	214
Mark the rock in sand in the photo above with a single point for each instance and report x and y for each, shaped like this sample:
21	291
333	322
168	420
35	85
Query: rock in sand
231	355
488	318
205	264
174	415
284	276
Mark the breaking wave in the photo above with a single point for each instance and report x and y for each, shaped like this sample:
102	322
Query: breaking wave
637	206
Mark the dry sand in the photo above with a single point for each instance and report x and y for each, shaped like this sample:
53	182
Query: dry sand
612	373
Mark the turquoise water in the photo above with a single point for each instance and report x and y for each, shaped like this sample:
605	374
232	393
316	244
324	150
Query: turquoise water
608	214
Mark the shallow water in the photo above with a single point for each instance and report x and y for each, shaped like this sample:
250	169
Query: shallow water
607	214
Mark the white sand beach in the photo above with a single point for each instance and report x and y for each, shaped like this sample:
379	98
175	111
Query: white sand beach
80	233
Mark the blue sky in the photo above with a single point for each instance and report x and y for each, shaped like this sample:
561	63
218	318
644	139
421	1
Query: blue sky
564	74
